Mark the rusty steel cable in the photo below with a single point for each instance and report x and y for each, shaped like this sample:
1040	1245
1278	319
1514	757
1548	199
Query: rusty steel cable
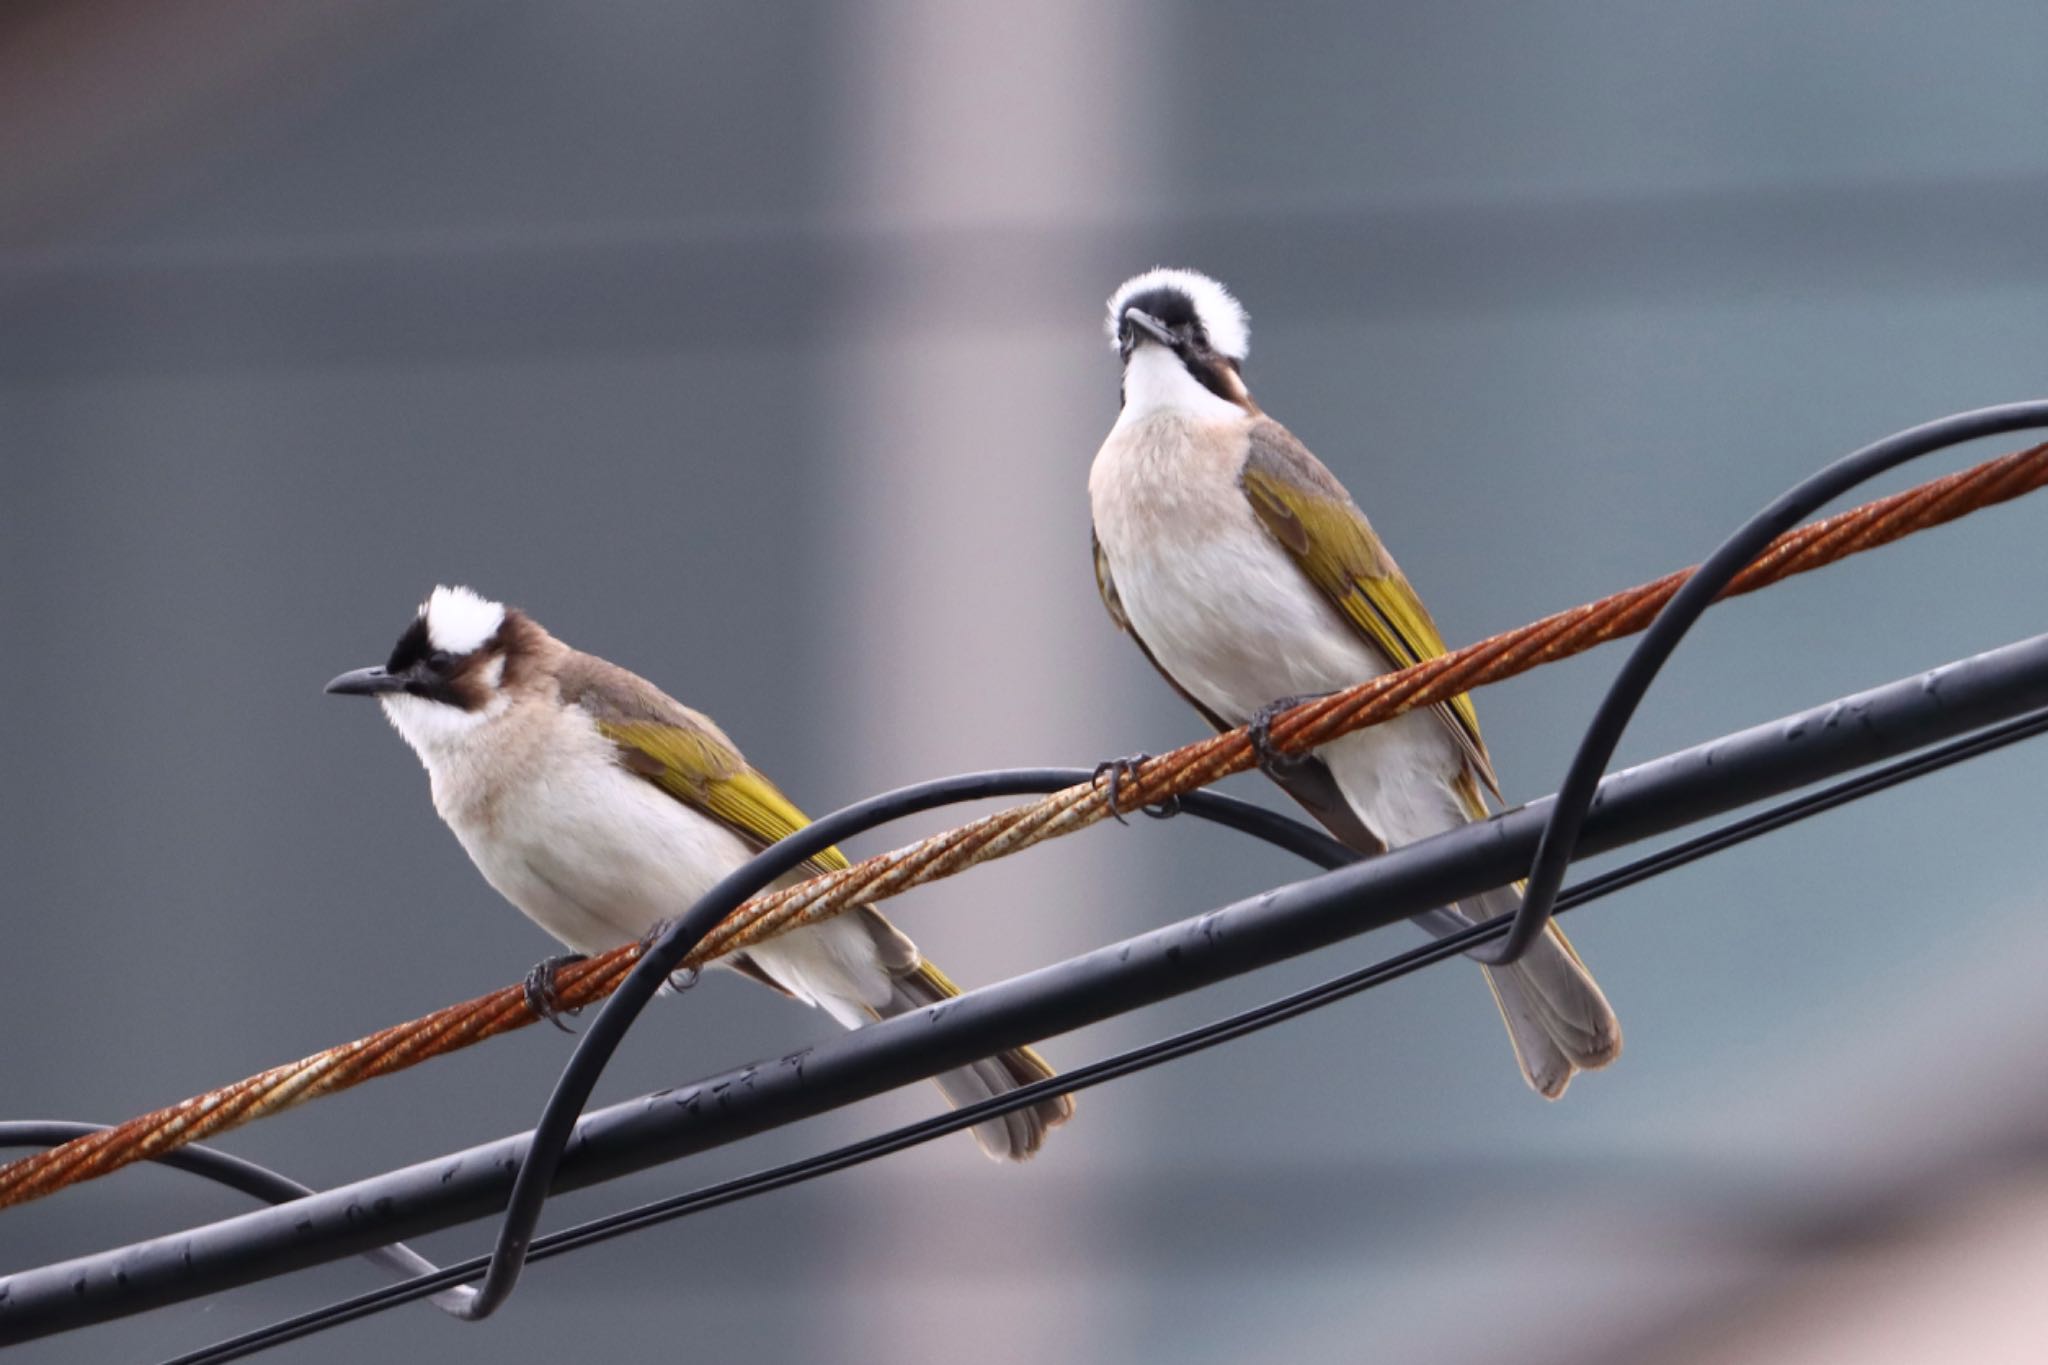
1156	780
1556	846
1978	703
1142	1057
1729	560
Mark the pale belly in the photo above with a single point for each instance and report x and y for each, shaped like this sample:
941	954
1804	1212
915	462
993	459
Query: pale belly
1231	618
603	857
600	859
1213	596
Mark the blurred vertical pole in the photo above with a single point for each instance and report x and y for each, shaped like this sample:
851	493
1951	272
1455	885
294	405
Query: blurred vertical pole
969	388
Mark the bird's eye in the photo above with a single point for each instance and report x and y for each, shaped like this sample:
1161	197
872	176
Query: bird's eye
439	660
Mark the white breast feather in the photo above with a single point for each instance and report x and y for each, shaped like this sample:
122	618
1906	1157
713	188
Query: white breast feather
1230	616
1155	382
596	855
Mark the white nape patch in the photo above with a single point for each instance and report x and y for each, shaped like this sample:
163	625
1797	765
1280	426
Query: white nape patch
1222	316
460	620
1156	383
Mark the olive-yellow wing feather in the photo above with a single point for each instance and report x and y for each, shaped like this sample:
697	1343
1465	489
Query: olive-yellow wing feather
1325	534
693	767
682	752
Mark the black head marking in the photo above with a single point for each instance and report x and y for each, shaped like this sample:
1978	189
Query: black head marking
1171	306
437	675
412	648
1176	310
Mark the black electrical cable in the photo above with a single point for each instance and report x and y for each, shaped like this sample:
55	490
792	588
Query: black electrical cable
1575	795
195	1159
240	1174
1553	855
573	1089
1762	763
272	1187
1680	854
601	1039
1272	826
1554	849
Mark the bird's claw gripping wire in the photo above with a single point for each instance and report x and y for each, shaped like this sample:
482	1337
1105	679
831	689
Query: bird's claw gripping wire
679	980
1259	730
1117	770
543	998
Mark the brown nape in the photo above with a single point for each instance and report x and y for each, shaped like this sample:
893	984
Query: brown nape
1240	393
464	685
1219	375
525	645
519	641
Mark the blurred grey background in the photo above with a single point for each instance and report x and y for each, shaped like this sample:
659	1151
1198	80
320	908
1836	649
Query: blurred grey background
757	348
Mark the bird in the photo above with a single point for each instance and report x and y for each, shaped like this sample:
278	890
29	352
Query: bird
602	807
1250	580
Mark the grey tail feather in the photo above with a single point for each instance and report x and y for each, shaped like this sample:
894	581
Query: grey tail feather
1017	1135
1558	1020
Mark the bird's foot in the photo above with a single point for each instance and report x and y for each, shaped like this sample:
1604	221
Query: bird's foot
682	978
542	997
1116	770
1259	731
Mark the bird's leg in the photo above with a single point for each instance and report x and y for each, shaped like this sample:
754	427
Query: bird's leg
1260	732
542	998
1117	770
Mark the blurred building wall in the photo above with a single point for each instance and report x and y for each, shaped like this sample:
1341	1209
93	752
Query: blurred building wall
955	423
758	348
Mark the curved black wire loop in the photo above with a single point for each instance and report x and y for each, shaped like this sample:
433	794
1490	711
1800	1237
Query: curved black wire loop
238	1173
1560	838
601	1039
1151	1054
1554	849
210	1163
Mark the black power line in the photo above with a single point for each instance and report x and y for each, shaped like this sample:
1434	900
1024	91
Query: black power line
239	1173
1231	812
1655	798
1632	682
1210	1035
1554	849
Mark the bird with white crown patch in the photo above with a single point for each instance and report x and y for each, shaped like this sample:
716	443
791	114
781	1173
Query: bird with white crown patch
602	807
1249	579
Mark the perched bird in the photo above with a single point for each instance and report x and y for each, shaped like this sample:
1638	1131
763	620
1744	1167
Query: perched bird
1250	580
602	807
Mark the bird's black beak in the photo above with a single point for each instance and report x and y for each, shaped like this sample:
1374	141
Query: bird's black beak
367	682
1152	327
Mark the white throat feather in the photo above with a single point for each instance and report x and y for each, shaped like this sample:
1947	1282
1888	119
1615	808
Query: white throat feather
1157	384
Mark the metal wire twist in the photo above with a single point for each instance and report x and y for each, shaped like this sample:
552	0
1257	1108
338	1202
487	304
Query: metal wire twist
1176	773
